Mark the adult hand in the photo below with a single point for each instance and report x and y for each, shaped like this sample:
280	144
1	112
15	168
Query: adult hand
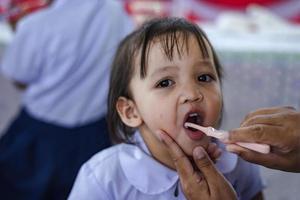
277	126
207	183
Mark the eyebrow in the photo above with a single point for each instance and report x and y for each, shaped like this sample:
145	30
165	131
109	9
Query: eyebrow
164	69
202	63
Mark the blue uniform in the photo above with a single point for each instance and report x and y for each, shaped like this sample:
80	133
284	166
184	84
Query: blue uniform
129	171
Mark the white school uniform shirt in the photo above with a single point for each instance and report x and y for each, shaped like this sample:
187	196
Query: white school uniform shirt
127	171
64	54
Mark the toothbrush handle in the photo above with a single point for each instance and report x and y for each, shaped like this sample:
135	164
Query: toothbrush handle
261	148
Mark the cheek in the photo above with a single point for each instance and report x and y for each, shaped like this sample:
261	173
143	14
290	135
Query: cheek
188	146
215	108
159	115
163	116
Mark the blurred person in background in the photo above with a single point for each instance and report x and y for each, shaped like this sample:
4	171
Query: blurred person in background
61	57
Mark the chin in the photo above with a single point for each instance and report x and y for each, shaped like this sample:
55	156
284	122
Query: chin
189	153
188	150
189	147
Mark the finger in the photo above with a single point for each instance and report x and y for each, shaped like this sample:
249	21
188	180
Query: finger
214	151
212	147
270	119
269	111
189	178
247	154
278	118
195	187
205	165
216	155
270	160
264	134
181	161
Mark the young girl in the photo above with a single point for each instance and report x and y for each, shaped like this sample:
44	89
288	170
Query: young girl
164	74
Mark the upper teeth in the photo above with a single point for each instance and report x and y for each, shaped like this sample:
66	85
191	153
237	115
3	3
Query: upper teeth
193	115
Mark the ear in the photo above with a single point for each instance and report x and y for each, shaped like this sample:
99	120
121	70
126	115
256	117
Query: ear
128	112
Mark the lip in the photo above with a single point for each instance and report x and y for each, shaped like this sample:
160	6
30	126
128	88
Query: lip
194	135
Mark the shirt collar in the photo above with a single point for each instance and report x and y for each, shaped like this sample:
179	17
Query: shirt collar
151	177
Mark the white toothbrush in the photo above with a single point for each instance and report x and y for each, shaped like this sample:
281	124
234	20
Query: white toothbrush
223	136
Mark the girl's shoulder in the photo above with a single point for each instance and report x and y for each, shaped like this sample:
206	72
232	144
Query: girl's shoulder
103	175
107	163
106	156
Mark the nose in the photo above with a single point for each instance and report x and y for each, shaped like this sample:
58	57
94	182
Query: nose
190	94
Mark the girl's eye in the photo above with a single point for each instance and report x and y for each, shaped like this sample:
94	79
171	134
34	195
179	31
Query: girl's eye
205	78
165	83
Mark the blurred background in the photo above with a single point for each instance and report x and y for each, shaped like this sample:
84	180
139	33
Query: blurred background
257	42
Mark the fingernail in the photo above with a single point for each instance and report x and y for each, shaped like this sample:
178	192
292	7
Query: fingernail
160	135
199	179
198	153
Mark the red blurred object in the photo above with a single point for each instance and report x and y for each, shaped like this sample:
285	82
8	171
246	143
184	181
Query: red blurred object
192	16
207	10
295	19
241	4
19	8
2	10
141	10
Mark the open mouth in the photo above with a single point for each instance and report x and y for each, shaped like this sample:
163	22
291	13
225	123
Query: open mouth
194	118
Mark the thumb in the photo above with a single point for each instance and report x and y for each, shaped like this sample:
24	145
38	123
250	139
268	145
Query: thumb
204	164
218	186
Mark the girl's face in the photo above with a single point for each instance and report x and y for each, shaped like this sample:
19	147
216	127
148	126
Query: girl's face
186	88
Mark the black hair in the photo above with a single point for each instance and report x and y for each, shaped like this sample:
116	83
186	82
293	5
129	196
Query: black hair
173	34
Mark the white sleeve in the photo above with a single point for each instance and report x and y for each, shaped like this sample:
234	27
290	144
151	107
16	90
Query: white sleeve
246	180
87	186
22	58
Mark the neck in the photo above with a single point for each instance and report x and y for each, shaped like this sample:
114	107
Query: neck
157	149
